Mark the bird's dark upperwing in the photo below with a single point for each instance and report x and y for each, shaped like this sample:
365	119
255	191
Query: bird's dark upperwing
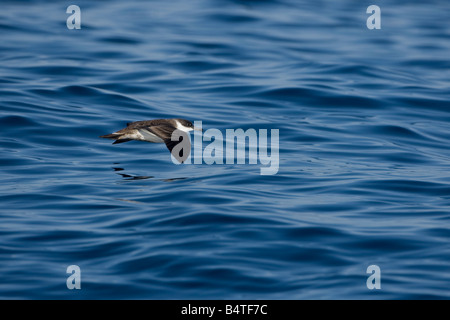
163	131
147	123
176	141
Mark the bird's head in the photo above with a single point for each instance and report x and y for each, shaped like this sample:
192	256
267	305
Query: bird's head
186	125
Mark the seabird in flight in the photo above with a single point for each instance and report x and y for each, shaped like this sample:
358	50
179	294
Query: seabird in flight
156	131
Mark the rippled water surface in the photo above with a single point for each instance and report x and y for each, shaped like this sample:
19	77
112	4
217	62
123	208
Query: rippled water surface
363	179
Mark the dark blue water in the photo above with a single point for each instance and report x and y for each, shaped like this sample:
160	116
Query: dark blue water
364	175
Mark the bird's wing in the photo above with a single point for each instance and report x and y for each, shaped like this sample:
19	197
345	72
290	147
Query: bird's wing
165	133
145	123
148	131
184	147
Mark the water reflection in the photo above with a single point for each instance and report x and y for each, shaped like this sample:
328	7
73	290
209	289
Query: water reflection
127	176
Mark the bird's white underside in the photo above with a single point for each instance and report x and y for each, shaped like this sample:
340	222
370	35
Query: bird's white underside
146	135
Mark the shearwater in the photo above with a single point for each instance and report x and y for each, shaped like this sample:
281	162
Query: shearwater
156	131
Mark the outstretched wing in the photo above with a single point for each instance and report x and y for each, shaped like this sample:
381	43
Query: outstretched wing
146	123
163	131
179	145
176	141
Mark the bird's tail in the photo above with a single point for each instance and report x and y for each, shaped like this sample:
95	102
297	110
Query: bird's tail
111	136
115	136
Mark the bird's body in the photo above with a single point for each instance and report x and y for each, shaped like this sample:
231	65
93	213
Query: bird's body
156	131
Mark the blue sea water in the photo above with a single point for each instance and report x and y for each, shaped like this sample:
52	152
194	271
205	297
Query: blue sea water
363	179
